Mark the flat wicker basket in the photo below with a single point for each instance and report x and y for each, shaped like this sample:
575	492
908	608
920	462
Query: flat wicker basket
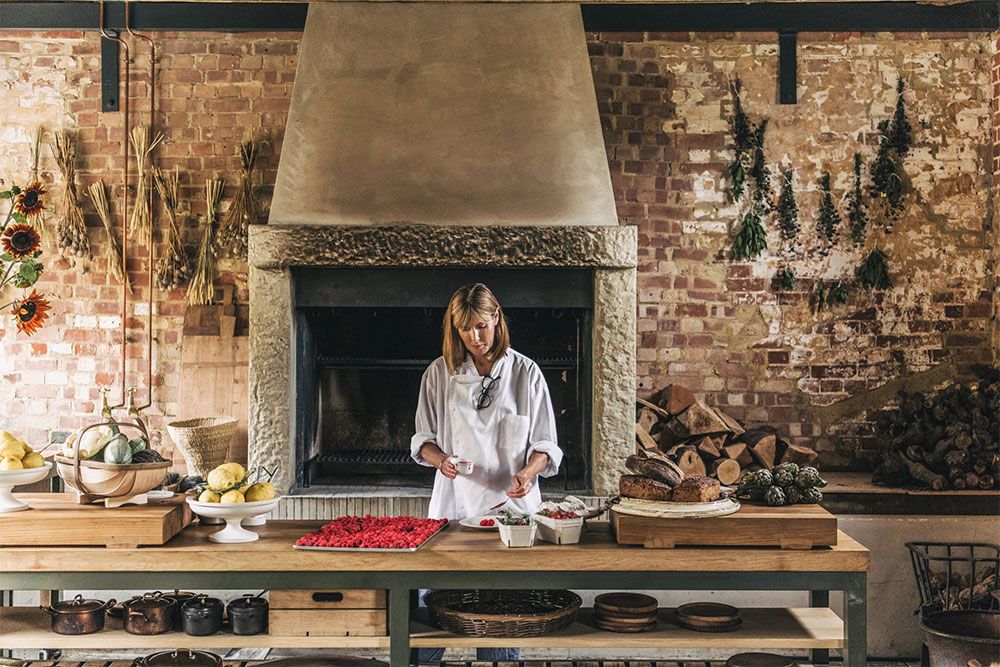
204	442
503	613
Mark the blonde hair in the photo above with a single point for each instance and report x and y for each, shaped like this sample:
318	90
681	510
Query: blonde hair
467	303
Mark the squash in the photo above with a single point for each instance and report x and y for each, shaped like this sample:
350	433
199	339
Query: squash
118	450
138	444
97	453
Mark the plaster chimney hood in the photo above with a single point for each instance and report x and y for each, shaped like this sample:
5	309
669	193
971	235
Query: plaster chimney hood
443	114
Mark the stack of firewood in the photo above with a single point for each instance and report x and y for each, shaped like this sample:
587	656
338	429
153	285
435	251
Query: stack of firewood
945	440
703	440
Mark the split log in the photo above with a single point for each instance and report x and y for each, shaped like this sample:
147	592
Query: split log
800	455
971	480
920	473
691	463
726	471
707	448
734	426
647	419
752	435
675	399
700	419
644	439
738	452
987	481
663	414
764	450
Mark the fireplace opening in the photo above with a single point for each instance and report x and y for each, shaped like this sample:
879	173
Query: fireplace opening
365	337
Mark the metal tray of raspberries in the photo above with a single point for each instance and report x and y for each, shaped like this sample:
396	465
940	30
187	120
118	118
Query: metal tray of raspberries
378	549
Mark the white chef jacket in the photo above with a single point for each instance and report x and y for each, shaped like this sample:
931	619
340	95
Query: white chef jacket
498	439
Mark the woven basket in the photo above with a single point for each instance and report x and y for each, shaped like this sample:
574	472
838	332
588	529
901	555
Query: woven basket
500	613
204	442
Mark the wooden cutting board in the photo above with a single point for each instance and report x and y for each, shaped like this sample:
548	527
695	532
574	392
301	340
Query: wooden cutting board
788	527
56	519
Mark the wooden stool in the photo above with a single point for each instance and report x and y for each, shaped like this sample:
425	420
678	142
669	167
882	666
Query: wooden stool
760	660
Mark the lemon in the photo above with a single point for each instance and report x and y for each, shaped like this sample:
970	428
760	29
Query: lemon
33	460
11	463
27	449
208	497
260	491
12	448
221	478
232	497
239	472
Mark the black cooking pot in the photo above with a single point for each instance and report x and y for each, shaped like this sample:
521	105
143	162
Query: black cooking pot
178	598
248	615
182	657
77	616
148	614
201	616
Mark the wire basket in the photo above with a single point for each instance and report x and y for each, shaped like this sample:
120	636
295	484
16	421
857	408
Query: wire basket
204	442
503	613
956	575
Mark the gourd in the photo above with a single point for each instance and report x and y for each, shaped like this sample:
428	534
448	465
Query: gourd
118	450
147	456
137	445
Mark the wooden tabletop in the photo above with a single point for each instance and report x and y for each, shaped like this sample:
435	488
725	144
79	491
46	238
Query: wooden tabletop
456	548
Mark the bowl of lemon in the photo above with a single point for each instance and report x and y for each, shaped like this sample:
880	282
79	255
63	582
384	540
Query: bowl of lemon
230	495
19	464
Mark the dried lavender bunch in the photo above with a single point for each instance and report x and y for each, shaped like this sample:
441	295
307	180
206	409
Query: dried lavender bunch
173	269
201	291
71	230
243	212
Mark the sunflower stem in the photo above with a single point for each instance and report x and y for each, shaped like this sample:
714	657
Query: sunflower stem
10	214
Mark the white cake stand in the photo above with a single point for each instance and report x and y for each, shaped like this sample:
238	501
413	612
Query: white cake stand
11	478
233	513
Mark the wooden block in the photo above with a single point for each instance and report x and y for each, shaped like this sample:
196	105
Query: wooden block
327	622
700	419
675	399
328	599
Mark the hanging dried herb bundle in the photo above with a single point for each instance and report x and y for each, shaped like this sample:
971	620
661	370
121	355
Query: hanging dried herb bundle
751	239
788	228
857	216
142	214
829	218
786	278
749	164
243	212
113	250
201	291
834	296
887	169
71	230
172	269
873	272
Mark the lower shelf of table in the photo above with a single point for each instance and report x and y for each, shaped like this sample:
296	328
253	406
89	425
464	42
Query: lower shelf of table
762	628
25	627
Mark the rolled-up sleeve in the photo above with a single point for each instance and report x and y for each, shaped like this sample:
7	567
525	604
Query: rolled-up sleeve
426	421
542	432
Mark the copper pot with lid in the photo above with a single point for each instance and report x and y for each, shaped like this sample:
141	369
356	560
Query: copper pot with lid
148	614
182	657
78	616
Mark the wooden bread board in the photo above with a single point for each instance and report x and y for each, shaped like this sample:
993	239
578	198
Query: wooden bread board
56	519
788	527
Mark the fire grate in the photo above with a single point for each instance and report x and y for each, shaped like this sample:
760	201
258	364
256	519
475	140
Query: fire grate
382	456
959	575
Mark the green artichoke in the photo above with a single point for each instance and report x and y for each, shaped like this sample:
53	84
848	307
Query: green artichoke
775	496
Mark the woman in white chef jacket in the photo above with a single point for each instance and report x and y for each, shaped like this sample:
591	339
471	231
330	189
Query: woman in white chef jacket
485	402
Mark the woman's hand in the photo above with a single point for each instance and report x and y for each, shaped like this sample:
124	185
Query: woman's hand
431	453
448	468
522	478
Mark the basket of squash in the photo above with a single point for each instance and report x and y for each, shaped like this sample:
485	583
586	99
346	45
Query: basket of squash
102	464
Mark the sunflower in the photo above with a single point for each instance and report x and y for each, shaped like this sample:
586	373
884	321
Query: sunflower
30	313
29	201
20	240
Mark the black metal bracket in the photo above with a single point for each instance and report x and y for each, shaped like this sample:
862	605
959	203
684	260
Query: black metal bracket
787	67
109	72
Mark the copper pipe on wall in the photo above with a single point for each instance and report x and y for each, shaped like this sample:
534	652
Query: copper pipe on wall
149	269
124	307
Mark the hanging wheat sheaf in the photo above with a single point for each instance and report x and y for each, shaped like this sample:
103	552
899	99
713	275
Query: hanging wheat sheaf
142	214
71	230
201	291
113	251
173	269
243	212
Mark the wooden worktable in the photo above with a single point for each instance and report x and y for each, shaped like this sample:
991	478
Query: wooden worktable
458	558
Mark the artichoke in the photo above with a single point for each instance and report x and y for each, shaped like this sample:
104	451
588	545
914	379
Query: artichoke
764	478
787	467
784	478
811	495
794	495
775	496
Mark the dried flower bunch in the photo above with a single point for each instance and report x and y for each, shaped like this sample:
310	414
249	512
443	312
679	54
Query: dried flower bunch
201	291
788	228
113	251
71	230
142	209
243	212
750	164
173	269
20	247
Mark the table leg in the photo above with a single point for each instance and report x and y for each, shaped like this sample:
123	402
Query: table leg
399	627
856	621
819	656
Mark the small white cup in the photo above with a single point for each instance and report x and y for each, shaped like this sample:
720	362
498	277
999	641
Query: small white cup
464	466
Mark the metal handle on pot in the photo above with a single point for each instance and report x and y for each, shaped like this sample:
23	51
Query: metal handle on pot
108	605
136	612
48	610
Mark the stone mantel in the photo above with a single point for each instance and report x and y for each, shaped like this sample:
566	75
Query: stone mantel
275	250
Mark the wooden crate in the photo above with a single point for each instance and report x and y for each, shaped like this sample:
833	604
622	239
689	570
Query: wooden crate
788	527
328	613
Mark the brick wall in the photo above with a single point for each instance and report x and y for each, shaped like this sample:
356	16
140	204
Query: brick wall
212	89
717	325
710	323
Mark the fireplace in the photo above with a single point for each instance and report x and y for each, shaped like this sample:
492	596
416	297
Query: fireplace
365	336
